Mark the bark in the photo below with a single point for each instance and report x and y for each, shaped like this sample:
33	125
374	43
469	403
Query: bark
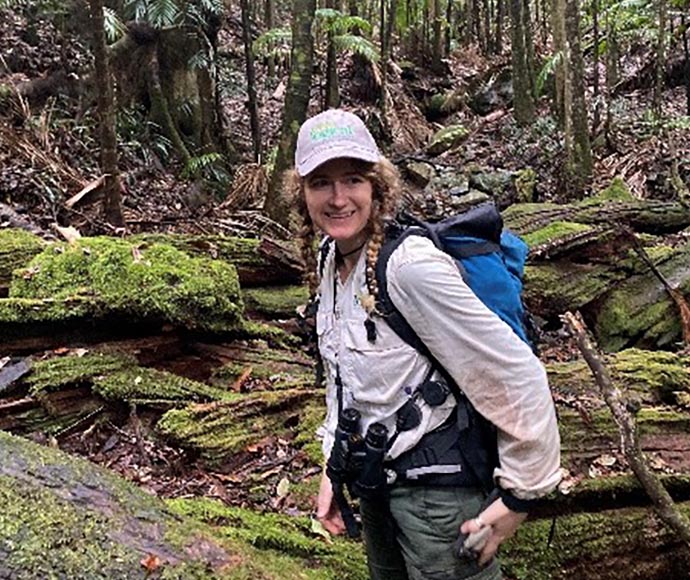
523	101
662	11
269	22
686	52
112	203
500	17
559	47
437	41
332	81
277	206
595	85
578	147
251	82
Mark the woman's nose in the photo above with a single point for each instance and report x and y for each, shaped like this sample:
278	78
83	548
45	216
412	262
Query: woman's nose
339	196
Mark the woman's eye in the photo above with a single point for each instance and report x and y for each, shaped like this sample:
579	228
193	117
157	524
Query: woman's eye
318	183
355	179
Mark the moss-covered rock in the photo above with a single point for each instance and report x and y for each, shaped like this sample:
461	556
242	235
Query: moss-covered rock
156	282
617	191
447	138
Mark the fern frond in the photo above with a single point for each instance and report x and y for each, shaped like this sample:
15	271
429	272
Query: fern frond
163	13
357	45
197	164
346	24
547	70
212	6
327	15
114	27
270	40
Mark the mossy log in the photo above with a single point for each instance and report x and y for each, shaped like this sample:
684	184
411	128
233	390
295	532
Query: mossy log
648	216
117	283
17	247
274	302
67	518
262	262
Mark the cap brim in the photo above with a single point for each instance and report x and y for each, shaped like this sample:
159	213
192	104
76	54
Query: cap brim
339	151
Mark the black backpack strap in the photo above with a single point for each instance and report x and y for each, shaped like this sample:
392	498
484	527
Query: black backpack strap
324	249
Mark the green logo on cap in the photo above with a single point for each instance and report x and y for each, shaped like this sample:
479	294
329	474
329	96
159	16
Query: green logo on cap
330	131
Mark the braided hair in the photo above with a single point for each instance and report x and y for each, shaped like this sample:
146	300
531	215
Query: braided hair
385	180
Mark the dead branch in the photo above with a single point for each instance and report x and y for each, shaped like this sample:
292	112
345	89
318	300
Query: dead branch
662	502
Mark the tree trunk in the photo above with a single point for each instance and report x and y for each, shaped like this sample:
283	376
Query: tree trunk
277	206
523	100
112	203
332	81
660	59
596	89
686	51
578	147
269	22
437	41
559	48
500	17
251	81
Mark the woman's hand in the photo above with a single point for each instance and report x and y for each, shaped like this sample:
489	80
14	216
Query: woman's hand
503	523
327	511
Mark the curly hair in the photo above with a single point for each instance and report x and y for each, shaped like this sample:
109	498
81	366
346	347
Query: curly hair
385	180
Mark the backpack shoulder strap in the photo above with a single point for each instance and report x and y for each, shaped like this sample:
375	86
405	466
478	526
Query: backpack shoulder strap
384	303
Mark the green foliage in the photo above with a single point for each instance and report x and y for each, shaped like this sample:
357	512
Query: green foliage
114	27
342	27
357	45
547	71
163	13
274	43
197	165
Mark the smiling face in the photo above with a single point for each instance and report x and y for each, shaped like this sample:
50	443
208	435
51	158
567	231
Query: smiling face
339	200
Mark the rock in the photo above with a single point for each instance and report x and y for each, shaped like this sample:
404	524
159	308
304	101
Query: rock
447	138
420	172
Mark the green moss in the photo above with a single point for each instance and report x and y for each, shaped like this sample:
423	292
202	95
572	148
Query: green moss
525	182
17	247
616	191
251	329
557	230
117	378
275	301
639	311
16	311
222	429
340	559
447	138
312	416
153	282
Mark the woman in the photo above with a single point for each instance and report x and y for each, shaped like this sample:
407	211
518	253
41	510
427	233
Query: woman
347	190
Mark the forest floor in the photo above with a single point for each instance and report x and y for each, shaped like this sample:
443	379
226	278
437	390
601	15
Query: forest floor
47	154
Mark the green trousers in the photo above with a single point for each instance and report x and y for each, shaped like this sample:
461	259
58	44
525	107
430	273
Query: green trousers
411	536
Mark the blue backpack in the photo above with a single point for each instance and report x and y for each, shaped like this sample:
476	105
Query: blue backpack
491	261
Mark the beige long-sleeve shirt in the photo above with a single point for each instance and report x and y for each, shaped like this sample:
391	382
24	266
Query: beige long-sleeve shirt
496	370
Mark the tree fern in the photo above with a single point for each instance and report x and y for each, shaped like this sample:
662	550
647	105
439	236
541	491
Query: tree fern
273	41
357	45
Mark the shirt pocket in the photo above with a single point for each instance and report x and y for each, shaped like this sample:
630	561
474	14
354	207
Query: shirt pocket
327	338
378	372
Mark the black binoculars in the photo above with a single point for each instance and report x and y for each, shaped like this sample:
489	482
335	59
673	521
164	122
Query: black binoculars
355	461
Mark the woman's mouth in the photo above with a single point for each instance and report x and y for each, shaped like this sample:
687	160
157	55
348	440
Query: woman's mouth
340	216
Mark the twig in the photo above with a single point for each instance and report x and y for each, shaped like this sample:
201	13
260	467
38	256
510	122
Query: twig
662	502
